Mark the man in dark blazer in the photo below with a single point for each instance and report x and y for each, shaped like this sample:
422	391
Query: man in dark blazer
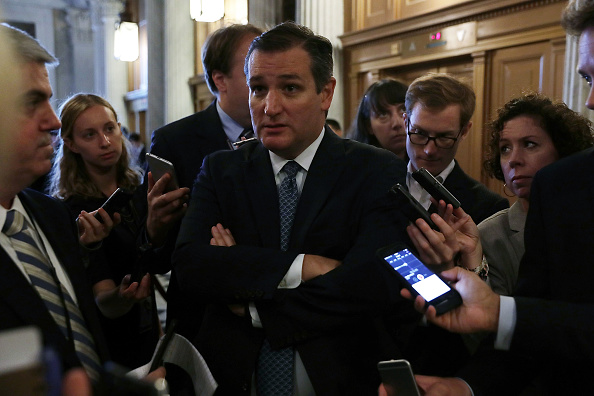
26	156
438	112
320	296
546	328
186	142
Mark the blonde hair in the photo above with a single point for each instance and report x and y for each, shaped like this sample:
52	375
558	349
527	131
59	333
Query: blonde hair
69	175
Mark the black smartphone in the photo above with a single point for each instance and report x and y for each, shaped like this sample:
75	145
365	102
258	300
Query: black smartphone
158	167
419	279
137	273
398	378
116	382
411	208
115	202
434	187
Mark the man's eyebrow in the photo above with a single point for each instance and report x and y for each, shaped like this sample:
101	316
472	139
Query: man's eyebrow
36	94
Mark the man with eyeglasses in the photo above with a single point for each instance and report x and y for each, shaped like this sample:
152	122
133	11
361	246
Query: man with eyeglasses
438	112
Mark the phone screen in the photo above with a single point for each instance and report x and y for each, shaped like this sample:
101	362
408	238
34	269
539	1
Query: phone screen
421	278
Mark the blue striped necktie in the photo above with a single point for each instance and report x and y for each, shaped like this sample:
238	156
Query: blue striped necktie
54	295
275	367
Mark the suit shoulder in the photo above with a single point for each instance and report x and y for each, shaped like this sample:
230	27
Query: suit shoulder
576	164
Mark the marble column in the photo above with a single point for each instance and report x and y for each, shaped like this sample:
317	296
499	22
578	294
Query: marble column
326	18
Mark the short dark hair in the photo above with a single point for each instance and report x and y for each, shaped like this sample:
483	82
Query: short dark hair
439	90
334	124
577	16
219	48
26	48
377	98
288	35
569	131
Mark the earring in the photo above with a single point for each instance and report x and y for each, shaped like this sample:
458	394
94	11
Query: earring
505	192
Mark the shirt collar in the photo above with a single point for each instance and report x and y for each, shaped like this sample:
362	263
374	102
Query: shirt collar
16	205
230	126
304	159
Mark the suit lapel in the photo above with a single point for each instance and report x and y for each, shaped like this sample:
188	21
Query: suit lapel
263	196
326	168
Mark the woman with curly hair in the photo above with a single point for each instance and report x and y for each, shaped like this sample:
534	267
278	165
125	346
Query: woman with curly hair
92	161
530	132
380	119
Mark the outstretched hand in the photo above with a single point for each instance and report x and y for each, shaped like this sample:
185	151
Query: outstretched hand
480	305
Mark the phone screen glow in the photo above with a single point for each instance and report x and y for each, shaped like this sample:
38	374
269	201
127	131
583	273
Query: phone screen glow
425	282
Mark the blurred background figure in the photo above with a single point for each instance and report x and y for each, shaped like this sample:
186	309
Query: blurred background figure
529	133
334	125
137	149
379	119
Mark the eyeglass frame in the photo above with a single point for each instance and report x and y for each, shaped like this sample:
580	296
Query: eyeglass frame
434	138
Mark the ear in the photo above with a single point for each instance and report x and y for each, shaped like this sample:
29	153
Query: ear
219	79
327	93
71	146
465	131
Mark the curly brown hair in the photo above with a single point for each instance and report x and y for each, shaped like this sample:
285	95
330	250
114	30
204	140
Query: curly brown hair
569	131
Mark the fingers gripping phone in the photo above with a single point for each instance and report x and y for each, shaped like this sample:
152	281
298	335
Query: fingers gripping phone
434	187
419	279
411	208
159	166
398	378
115	202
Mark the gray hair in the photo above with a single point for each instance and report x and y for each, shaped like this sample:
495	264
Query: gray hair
26	48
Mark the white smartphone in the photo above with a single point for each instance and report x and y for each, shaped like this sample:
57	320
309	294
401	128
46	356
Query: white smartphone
158	167
398	378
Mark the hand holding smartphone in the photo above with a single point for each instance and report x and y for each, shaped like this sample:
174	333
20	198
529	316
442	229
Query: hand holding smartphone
159	166
434	187
411	208
398	378
115	202
419	279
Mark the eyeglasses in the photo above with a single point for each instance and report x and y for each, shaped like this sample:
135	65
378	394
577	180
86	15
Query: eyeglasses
421	139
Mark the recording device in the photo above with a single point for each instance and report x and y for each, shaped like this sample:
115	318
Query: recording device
434	187
116	382
411	208
115	202
240	143
159	166
419	279
398	378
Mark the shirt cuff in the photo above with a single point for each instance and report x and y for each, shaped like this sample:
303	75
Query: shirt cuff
292	278
255	316
507	323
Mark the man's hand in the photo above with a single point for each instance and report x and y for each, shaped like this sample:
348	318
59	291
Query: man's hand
164	208
221	236
480	305
91	230
317	265
437	386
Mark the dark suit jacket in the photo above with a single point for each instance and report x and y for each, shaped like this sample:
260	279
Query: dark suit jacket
344	212
185	143
476	199
554	334
20	305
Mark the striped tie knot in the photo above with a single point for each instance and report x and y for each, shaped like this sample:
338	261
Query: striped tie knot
14	223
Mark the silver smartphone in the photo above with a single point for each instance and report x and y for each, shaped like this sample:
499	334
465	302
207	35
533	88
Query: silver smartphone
398	378
158	167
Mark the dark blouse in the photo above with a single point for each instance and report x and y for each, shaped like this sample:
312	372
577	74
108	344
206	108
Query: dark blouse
132	337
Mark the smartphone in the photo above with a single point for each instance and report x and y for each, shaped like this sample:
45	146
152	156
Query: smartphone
115	381
398	378
434	187
159	166
411	208
419	279
115	202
